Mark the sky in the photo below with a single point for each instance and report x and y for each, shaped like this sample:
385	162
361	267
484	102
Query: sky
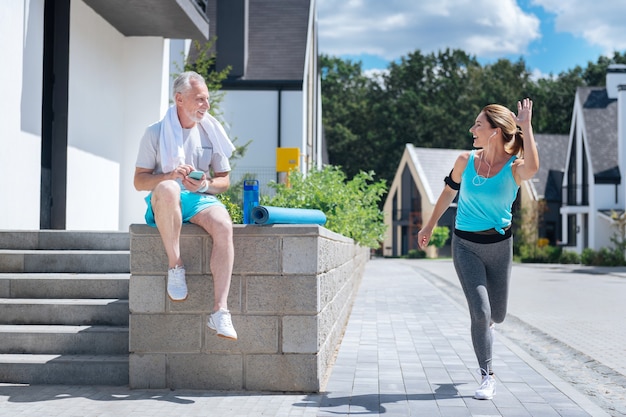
552	36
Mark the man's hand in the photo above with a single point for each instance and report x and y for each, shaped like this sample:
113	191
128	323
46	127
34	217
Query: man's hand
195	185
180	172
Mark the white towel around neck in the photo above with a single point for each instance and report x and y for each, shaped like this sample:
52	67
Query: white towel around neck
171	139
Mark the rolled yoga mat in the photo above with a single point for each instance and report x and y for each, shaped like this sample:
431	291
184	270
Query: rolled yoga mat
282	215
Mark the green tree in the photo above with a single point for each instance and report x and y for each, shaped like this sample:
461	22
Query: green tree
349	120
595	74
428	100
554	101
554	96
431	100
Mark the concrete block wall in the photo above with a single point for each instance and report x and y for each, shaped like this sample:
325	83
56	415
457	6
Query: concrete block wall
290	299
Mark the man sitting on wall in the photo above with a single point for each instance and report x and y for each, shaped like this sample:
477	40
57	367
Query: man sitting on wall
183	162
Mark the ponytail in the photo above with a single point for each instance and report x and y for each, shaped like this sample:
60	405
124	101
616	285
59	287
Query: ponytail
517	147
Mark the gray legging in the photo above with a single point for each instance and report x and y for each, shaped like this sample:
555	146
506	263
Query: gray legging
484	271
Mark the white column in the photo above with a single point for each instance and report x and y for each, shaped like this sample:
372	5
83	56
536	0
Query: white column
621	140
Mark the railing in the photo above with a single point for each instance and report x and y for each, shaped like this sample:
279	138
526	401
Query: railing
575	195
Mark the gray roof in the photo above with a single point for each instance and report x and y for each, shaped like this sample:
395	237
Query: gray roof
552	151
600	122
277	39
433	165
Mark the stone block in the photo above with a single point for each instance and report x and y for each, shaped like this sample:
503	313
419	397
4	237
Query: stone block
300	255
200	296
12	262
292	294
19	240
162	333
205	371
332	281
148	255
335	253
335	314
200	290
5	288
257	255
147	371
255	334
292	372
146	294
300	334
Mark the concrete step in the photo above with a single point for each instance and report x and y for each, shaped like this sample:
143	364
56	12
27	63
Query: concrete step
59	261
64	239
102	311
64	307
64	369
54	339
64	285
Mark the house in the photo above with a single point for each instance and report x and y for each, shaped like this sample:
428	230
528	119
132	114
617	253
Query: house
545	188
419	181
412	196
596	155
273	92
86	77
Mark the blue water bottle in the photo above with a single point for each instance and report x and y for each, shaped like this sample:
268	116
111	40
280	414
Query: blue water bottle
250	199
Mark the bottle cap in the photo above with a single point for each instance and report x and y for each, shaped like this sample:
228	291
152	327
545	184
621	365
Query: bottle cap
250	184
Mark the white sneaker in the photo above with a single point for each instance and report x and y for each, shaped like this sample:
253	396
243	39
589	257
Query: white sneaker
176	284
221	322
487	388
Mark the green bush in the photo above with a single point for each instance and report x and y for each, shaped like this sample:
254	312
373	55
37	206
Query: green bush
587	256
439	237
234	209
416	254
351	206
602	257
539	254
569	257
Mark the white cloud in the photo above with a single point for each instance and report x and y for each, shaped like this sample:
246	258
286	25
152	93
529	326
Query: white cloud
600	23
394	28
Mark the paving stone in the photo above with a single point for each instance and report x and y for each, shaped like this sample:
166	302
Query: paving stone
406	351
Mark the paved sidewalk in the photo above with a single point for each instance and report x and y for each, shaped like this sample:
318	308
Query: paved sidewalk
570	317
406	352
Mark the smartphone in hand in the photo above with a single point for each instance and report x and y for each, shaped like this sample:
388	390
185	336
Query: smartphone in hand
196	175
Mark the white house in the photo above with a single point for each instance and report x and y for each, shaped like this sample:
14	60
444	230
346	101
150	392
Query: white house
273	92
82	81
593	186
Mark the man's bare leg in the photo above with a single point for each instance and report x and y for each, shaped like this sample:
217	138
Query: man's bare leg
216	221
168	218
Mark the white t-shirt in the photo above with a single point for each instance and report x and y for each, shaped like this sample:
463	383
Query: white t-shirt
197	147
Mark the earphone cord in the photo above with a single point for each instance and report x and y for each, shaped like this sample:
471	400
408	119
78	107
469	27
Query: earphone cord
481	162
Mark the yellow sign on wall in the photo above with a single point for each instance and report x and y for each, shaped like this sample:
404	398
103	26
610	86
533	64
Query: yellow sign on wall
287	159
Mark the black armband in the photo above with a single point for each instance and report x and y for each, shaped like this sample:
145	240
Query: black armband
454	185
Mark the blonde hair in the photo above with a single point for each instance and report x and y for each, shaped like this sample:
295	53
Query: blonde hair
499	116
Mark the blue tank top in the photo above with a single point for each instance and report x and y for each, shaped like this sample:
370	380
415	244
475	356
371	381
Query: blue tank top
486	206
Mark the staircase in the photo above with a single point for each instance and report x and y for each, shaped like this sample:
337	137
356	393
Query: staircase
64	307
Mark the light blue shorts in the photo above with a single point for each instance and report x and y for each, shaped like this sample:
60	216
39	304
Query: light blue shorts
190	203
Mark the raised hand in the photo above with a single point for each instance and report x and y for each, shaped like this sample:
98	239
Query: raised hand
524	112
